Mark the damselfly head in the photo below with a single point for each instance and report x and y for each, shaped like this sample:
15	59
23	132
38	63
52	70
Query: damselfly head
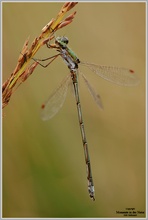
62	40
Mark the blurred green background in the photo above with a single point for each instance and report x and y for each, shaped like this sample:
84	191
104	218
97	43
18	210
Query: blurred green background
44	173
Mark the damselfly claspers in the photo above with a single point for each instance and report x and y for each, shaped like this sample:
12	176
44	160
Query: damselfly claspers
117	75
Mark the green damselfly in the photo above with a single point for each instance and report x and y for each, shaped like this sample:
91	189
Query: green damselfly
117	75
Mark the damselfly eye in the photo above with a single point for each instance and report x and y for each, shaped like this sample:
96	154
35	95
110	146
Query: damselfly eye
64	40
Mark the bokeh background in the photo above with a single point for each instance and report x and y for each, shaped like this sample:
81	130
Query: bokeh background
44	173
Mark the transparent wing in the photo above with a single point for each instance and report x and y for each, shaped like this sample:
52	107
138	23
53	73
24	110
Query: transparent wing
117	75
95	96
56	100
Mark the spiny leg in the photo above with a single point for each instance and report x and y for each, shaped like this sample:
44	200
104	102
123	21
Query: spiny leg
53	58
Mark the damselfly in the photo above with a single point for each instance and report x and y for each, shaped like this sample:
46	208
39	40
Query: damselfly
120	76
